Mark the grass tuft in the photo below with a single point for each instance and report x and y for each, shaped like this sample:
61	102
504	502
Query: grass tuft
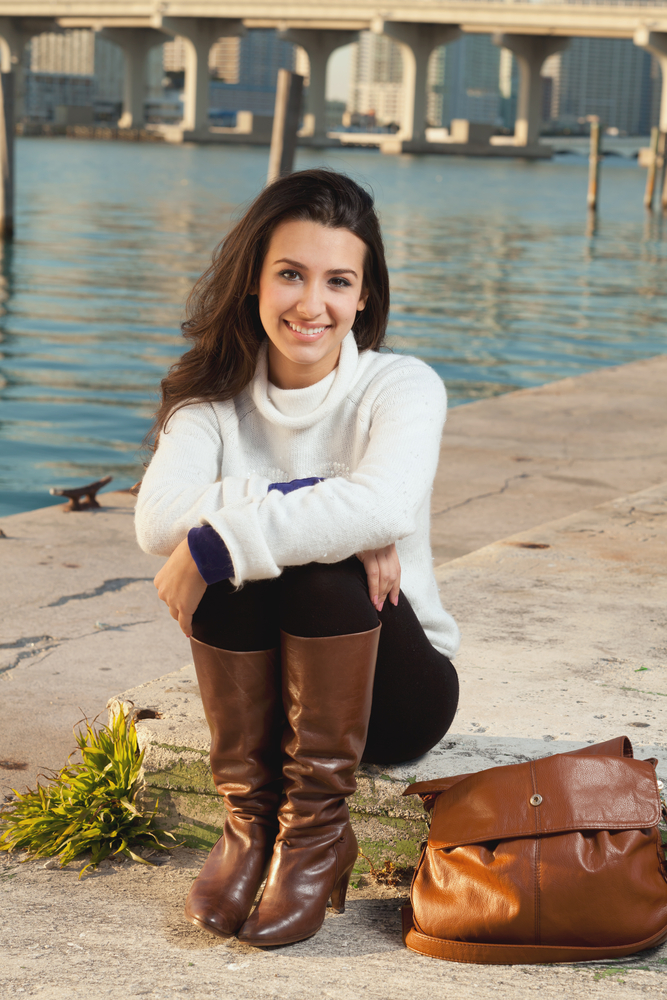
389	874
89	806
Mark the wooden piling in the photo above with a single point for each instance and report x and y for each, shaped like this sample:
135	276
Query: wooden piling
661	168
594	166
6	155
650	175
285	124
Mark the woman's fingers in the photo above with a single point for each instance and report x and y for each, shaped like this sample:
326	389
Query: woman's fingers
383	573
395	591
181	587
373	576
389	568
185	622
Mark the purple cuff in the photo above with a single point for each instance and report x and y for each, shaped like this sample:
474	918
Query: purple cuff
296	484
210	554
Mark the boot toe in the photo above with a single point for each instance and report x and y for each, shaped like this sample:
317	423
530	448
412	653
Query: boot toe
211	920
270	933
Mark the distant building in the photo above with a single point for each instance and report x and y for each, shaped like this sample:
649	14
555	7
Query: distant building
224	60
610	78
243	71
82	69
376	87
246	70
76	69
464	79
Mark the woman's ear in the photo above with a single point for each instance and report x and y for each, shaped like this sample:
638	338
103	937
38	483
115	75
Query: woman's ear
361	304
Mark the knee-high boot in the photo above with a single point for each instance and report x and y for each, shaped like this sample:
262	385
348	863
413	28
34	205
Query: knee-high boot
242	702
327	693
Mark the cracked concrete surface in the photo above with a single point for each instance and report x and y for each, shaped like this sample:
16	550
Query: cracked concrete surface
528	457
79	612
120	934
107	587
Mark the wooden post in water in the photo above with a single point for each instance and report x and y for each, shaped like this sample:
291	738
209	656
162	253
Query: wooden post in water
650	176
594	166
285	124
6	155
661	166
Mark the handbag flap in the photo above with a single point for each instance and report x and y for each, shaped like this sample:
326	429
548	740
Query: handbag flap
552	795
620	746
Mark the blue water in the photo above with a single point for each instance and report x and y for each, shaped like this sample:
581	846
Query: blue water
497	282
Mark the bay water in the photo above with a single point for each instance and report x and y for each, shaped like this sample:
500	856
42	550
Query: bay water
499	281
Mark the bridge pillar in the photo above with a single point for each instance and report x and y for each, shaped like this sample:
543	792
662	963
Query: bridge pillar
655	42
136	43
319	44
200	33
15	33
417	42
531	52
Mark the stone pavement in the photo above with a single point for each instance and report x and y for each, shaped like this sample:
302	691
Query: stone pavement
563	643
513	462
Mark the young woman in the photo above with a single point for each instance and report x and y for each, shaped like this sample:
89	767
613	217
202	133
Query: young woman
290	488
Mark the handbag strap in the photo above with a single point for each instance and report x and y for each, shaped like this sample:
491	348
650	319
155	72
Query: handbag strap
514	954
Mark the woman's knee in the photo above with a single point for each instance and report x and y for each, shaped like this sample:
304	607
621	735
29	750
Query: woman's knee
243	620
322	599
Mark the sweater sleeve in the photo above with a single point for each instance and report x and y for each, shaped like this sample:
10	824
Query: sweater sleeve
182	485
377	505
210	554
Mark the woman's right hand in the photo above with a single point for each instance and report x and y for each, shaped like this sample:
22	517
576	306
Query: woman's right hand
181	586
383	571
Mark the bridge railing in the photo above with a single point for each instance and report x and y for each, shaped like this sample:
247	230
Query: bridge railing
576	3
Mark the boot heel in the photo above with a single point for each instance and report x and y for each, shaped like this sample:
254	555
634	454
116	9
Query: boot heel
339	892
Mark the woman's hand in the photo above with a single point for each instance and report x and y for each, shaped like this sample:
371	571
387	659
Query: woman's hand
383	571
181	586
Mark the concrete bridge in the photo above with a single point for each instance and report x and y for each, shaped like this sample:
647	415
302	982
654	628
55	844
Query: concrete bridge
531	30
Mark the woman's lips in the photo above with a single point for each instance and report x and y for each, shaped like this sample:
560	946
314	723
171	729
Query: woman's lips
304	333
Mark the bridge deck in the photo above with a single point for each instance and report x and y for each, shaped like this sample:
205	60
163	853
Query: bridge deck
590	19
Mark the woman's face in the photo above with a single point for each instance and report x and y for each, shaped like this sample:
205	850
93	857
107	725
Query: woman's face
310	289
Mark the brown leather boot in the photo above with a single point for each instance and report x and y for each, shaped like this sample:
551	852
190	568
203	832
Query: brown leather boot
327	694
242	702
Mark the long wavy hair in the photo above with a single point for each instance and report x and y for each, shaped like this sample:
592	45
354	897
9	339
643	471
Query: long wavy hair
222	312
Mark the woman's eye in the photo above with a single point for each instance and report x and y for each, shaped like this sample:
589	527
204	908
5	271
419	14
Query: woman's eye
340	283
290	275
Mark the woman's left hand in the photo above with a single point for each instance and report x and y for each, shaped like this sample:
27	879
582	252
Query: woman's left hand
383	572
181	586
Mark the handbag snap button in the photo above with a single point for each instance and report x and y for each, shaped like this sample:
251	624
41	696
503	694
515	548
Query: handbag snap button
535	800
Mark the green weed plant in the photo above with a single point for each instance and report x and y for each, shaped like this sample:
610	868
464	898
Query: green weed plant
88	806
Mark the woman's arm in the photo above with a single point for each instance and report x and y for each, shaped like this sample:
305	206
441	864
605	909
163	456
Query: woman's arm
374	508
182	485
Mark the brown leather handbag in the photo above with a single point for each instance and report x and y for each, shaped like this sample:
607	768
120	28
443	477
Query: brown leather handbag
554	860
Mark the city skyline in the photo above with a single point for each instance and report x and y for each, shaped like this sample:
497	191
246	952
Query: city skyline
470	78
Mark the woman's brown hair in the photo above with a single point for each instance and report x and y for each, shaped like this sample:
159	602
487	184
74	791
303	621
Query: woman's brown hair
222	311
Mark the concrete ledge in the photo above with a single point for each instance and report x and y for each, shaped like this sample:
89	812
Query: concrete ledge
536	151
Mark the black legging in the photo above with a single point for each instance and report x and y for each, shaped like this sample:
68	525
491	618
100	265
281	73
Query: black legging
416	688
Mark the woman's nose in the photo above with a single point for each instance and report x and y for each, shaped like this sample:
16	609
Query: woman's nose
311	304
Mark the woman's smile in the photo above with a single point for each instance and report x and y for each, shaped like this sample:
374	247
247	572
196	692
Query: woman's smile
311	288
306	332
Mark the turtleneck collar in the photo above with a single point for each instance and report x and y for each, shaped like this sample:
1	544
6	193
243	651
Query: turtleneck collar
299	408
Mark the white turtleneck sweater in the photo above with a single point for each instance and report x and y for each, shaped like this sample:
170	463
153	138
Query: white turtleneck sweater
371	429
